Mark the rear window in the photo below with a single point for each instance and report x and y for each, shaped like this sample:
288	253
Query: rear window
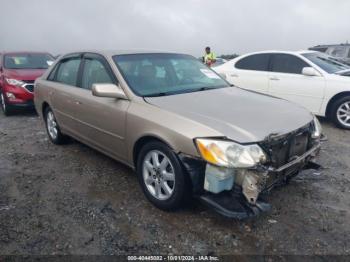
258	62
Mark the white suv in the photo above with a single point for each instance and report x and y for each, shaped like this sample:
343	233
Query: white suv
312	79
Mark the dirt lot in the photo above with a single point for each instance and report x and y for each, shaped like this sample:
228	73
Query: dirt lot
73	200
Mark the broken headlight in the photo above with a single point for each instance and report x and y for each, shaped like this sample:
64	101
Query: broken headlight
230	154
317	132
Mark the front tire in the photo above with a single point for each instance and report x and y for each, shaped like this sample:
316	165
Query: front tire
340	113
4	106
161	176
52	128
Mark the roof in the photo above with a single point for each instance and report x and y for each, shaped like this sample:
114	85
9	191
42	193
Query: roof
284	52
122	52
23	52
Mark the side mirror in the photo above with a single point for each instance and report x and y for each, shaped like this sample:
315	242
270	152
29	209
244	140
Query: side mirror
1	70
310	71
108	90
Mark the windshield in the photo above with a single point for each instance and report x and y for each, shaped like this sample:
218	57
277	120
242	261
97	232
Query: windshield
28	61
327	63
166	74
339	51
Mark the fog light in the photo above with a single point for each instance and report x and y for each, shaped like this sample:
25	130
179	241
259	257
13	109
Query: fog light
10	95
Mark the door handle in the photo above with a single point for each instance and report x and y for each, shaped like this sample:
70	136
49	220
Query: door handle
233	75
274	78
77	102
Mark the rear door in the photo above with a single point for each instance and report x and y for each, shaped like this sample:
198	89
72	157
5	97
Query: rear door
64	82
100	120
287	81
251	72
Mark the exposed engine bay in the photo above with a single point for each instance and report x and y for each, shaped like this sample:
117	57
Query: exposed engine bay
219	186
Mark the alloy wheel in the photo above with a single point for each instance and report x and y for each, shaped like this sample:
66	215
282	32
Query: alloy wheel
158	175
51	125
343	114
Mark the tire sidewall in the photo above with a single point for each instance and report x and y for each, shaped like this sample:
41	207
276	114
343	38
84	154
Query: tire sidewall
180	189
334	110
7	110
59	138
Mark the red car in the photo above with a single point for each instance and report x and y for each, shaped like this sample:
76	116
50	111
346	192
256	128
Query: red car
18	71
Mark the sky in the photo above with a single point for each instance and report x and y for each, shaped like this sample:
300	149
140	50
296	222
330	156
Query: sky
186	26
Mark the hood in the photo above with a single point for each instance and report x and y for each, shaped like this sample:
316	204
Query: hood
24	74
240	115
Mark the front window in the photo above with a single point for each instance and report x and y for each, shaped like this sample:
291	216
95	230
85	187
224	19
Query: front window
28	61
285	63
95	72
327	63
166	74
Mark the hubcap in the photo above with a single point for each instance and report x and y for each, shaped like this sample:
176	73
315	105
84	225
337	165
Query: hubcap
158	175
3	102
343	114
51	125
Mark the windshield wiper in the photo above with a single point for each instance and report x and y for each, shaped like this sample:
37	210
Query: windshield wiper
182	91
205	88
157	94
209	88
342	71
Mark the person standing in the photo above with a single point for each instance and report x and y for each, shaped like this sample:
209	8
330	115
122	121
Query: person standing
209	57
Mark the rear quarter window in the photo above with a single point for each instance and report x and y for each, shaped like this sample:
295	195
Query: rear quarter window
52	74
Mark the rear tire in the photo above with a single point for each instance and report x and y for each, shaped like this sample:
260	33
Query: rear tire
52	128
340	112
161	176
6	108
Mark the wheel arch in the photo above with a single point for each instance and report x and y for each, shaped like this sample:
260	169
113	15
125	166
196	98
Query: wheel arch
333	100
43	107
140	142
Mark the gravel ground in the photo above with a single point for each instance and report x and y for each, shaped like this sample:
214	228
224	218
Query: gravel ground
73	200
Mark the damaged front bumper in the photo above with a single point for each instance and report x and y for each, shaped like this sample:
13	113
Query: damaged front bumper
237	194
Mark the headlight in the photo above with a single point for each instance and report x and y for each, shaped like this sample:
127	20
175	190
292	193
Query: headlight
318	128
14	82
230	154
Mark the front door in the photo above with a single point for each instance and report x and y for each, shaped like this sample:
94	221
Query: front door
287	81
101	121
